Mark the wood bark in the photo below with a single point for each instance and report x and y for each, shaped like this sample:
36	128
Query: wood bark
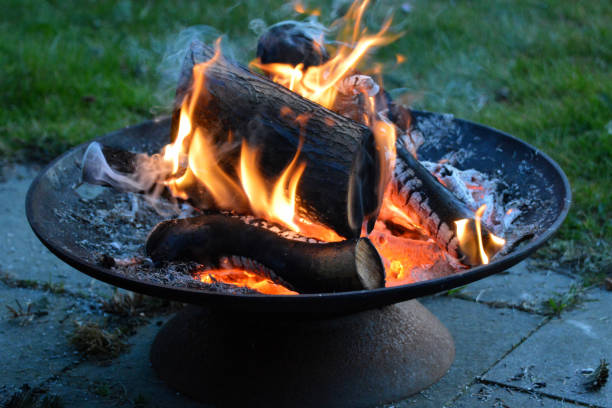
338	187
353	264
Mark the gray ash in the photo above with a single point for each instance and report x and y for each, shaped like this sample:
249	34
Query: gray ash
120	223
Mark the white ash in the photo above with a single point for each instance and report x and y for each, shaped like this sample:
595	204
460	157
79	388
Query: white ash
412	140
358	85
110	224
475	189
435	128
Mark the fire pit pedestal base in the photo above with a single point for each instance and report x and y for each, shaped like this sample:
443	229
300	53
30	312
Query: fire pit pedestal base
228	358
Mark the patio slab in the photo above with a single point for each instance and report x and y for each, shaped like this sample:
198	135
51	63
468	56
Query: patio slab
559	354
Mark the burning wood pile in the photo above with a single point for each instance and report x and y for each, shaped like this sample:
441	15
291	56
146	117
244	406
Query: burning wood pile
304	179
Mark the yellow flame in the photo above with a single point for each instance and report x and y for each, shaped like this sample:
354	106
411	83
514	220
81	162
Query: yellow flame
174	151
203	164
397	269
278	204
477	217
472	241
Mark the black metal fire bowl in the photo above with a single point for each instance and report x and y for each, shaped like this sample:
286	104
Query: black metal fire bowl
327	349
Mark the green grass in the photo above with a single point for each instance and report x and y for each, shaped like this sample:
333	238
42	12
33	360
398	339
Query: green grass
541	70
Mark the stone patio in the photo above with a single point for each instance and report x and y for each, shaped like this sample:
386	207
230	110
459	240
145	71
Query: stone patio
510	353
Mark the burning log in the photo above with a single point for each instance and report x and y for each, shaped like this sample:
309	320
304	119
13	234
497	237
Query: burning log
293	42
339	187
413	186
439	211
353	264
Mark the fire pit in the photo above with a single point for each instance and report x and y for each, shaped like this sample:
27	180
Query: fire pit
294	211
347	348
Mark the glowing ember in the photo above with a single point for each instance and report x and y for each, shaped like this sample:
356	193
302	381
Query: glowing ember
242	278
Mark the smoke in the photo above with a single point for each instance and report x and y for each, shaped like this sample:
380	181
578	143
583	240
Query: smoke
173	53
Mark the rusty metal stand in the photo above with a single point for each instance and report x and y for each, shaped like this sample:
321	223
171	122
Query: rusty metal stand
227	358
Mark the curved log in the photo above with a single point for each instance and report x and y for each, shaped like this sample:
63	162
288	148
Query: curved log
348	265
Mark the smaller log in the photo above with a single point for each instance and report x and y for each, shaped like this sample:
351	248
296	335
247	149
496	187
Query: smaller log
293	42
436	208
348	265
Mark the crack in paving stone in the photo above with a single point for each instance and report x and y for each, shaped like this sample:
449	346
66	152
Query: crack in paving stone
539	393
521	287
485	394
560	353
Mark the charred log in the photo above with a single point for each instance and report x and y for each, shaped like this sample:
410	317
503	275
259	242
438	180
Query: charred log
339	186
353	264
292	42
436	208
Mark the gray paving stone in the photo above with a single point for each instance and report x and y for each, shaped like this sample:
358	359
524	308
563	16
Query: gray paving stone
34	348
558	351
23	255
519	287
128	378
482	336
481	396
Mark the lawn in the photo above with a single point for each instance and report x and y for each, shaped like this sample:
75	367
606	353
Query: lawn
541	70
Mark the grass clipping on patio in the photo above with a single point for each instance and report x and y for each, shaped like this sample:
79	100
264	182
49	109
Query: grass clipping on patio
91	340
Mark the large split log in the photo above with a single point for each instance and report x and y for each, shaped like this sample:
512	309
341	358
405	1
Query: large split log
353	264
339	187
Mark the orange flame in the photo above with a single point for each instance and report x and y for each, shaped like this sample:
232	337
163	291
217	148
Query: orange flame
243	278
